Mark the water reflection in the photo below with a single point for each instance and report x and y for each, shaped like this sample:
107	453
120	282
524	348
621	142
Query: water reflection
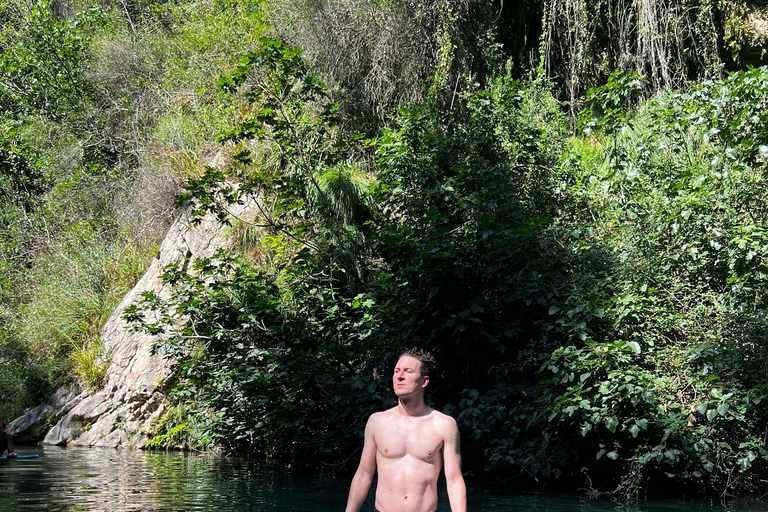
80	479
92	479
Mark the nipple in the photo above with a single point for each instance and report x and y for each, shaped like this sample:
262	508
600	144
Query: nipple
428	453
386	450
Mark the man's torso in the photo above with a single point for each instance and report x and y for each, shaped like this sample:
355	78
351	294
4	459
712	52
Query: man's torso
409	458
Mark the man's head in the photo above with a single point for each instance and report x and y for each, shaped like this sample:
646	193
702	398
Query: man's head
411	374
426	359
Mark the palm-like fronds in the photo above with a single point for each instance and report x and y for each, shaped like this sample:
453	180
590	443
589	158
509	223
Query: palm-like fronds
342	194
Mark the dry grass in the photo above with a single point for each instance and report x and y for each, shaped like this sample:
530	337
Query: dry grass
380	51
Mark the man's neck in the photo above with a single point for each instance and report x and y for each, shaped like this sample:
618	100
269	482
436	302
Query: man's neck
413	406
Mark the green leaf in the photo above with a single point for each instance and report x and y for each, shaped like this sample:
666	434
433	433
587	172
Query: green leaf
611	423
744	463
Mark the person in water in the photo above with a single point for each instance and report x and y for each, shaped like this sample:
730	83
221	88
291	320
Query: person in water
6	440
409	445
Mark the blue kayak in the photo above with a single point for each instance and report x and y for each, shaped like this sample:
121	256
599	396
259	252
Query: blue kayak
21	457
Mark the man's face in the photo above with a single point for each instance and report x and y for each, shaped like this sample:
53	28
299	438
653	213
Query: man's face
407	379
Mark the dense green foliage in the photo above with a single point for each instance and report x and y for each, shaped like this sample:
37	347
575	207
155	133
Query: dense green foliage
591	279
488	245
90	99
670	378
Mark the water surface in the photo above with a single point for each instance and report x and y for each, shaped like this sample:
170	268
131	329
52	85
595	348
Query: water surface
100	479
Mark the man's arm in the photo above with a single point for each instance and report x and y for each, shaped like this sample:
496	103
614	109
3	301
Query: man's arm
457	490
361	483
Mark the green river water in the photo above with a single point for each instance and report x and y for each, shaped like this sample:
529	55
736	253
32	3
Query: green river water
99	479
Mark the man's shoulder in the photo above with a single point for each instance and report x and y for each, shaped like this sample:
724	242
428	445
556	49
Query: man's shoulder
378	416
441	416
378	421
444	421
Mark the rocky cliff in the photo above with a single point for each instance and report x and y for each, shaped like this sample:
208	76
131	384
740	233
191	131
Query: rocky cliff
132	395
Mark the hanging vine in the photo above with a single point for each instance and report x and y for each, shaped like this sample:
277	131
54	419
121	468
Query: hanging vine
668	41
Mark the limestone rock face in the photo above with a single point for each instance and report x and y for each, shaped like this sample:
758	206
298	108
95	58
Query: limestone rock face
131	396
32	426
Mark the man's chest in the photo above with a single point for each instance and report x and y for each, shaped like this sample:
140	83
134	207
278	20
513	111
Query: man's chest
417	440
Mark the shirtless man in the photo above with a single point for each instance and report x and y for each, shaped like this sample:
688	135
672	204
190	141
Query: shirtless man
6	440
409	445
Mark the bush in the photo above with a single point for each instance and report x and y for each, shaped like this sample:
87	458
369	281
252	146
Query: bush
666	378
277	361
90	363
